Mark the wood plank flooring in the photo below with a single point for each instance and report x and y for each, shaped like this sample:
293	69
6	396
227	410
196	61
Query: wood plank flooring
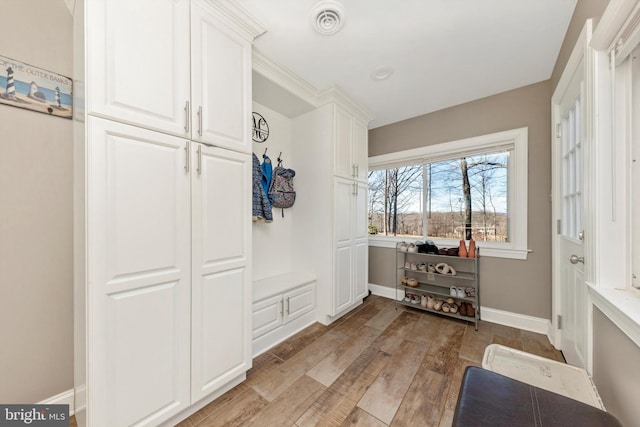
380	365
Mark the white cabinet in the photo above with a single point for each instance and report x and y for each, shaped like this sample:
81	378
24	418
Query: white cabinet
162	222
351	244
186	71
138	275
221	278
167	260
283	305
331	211
350	146
220	81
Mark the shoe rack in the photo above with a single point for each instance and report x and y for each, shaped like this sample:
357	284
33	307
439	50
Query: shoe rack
448	285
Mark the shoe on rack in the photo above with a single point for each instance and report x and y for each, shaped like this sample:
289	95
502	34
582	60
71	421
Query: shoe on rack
460	293
453	291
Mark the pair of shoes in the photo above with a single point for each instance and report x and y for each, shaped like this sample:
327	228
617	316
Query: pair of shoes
470	292
444	268
466	309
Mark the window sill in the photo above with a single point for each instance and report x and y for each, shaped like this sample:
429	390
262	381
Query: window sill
485	250
622	306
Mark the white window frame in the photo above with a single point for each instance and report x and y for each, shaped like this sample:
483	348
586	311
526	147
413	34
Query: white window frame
617	34
517	141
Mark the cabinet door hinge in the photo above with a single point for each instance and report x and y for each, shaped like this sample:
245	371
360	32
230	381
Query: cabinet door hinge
558	131
559	321
558	226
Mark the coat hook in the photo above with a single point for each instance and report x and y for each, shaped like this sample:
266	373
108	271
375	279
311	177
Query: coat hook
265	152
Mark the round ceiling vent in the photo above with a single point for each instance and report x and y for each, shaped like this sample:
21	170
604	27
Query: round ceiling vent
327	17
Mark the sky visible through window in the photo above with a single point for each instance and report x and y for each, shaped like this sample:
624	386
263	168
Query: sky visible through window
453	197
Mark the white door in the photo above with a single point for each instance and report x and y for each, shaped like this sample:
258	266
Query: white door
360	150
568	210
138	62
221	278
361	242
138	294
221	82
342	287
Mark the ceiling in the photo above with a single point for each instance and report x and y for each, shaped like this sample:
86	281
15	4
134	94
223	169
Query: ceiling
442	52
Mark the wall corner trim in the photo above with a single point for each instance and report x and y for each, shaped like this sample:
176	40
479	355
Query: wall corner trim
65	398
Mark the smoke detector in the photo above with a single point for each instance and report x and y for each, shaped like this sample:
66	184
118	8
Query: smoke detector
327	17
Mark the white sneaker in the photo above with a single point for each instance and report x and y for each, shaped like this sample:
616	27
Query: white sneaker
460	293
453	291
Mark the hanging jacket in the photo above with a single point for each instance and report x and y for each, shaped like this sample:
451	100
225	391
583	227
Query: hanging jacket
261	207
267	173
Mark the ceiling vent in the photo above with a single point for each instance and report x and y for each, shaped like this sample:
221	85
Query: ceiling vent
327	17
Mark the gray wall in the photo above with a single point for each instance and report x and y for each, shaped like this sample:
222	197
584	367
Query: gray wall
615	370
615	357
512	285
36	289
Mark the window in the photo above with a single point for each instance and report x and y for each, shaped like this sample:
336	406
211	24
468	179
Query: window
473	188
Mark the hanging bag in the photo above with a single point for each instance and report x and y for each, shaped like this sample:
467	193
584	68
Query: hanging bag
281	191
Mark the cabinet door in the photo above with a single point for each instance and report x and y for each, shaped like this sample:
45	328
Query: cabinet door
343	278
138	62
221	82
299	301
343	164
138	231
360	149
221	277
268	315
361	242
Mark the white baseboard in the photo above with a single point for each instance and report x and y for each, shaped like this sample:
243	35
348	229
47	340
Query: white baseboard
487	314
383	291
515	320
64	398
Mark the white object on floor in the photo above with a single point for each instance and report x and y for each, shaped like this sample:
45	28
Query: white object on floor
550	375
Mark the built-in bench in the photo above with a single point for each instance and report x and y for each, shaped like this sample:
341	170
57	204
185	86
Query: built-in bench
282	306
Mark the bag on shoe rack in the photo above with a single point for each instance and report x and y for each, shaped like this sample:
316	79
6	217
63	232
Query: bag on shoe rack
281	192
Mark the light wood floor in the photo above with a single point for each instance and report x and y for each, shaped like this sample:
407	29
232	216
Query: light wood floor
380	365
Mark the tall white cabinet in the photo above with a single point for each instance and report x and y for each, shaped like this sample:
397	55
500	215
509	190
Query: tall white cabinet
331	210
163	277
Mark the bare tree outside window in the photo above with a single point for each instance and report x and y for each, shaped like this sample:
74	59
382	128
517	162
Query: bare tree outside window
462	198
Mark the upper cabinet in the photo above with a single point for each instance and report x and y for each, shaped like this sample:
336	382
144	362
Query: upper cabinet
185	72
350	146
220	96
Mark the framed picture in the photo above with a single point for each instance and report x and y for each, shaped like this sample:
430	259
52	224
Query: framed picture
25	86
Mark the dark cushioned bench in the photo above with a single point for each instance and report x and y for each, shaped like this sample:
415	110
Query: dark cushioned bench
490	399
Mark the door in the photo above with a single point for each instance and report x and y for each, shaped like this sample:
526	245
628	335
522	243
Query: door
221	82
221	277
342	287
138	291
138	62
342	160
360	150
570	287
361	243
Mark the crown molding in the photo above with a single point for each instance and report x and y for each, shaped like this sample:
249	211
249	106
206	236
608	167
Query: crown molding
302	89
246	23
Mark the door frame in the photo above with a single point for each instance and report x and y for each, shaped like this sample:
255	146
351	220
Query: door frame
581	60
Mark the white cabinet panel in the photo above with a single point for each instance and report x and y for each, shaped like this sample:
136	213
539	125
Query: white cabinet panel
361	269
360	149
343	295
222	204
267	315
300	301
343	190
343	166
138	271
220	347
220	94
221	287
146	355
360	220
138	62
